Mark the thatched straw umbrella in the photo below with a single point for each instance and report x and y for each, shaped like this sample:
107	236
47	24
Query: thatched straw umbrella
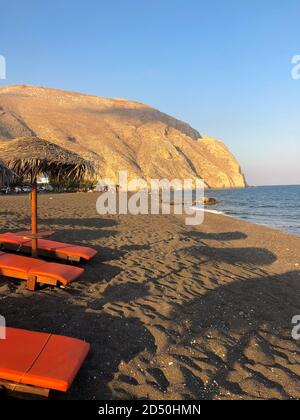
32	157
6	175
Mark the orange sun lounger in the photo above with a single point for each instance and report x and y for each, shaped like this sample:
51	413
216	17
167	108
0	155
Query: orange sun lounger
36	363
47	248
36	271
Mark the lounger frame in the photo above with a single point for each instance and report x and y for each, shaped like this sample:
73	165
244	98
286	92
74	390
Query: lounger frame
31	281
42	253
24	391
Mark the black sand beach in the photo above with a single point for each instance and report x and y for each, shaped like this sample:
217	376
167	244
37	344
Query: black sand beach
171	312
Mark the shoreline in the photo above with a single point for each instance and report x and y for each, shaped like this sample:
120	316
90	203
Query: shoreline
220	213
171	311
206	209
273	206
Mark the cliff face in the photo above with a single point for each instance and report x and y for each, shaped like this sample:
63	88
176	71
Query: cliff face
118	134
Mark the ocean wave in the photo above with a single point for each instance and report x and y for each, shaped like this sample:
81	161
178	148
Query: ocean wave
210	211
277	207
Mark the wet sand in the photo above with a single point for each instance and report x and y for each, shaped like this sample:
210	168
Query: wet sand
172	312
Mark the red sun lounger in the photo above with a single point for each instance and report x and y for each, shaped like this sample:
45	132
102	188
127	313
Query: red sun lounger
35	271
47	248
35	363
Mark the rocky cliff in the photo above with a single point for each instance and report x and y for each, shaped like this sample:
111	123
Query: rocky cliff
119	134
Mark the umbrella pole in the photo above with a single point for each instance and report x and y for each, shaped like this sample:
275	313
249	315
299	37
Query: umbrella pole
34	223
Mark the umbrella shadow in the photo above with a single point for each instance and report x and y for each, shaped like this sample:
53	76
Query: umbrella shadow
90	222
222	236
234	256
251	321
124	293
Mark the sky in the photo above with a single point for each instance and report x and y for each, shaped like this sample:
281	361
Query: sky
223	66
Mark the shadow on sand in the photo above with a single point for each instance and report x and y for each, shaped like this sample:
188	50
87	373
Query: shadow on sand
240	330
237	316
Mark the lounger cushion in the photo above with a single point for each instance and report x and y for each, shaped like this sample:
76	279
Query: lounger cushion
62	273
18	263
41	359
51	246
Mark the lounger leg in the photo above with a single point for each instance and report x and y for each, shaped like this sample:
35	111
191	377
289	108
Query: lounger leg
31	283
24	391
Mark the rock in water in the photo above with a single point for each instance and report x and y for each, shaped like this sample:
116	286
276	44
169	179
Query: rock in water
209	201
119	134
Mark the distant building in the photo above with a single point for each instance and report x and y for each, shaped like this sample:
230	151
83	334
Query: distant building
43	180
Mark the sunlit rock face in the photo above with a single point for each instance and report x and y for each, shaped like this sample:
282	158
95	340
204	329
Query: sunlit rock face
119	134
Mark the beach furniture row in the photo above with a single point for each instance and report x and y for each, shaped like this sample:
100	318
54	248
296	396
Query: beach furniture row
34	363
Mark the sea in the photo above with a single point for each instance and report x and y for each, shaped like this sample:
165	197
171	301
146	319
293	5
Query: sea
274	206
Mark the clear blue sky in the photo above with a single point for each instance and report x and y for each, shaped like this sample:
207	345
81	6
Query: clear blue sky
224	66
